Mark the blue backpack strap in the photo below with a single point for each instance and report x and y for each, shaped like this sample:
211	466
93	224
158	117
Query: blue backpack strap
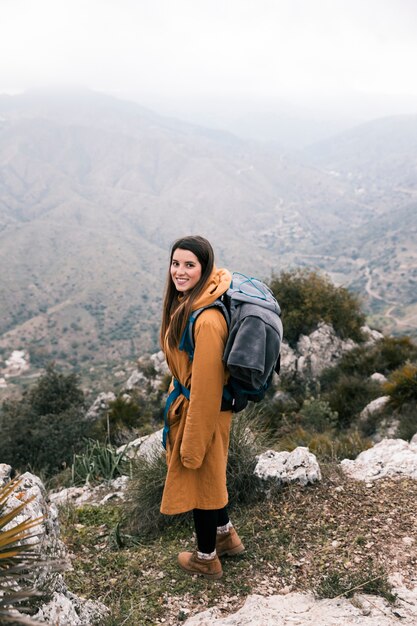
187	339
177	391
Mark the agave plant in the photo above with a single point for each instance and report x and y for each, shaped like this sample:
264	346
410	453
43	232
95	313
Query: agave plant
16	559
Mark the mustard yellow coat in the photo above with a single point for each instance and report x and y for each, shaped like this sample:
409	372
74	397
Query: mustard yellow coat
198	438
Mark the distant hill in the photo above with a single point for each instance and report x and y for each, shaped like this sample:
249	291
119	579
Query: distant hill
378	159
94	190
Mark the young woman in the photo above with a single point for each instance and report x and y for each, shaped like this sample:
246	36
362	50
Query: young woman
197	436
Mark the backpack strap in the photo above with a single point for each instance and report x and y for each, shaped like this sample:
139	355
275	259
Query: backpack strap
177	391
187	339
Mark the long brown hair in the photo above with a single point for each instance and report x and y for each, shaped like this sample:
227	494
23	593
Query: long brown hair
175	312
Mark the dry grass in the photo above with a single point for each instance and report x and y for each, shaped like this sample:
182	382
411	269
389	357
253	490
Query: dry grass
327	538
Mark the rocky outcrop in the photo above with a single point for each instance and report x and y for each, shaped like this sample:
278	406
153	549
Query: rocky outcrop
100	405
98	495
393	458
303	609
60	606
314	352
17	364
145	446
149	375
280	468
374	407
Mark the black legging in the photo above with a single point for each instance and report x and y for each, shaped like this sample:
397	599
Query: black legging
206	522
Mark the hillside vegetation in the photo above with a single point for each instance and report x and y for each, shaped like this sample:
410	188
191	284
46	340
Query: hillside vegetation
330	538
94	190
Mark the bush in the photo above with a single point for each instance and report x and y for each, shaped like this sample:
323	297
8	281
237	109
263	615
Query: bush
99	462
248	438
348	396
383	356
402	385
43	429
144	495
317	414
407	422
124	421
307	298
145	489
326	446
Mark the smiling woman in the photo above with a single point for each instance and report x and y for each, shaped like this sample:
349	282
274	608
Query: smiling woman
196	433
185	270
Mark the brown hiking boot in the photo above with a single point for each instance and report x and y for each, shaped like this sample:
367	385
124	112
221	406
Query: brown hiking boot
209	568
229	543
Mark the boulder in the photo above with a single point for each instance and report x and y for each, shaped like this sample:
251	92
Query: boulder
100	405
374	407
136	379
371	335
378	378
279	468
393	458
78	496
303	609
149	375
288	359
321	349
145	446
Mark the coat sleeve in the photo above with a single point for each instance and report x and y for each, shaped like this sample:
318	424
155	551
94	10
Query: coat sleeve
207	380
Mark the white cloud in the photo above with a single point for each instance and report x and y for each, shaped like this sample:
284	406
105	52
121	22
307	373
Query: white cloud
241	48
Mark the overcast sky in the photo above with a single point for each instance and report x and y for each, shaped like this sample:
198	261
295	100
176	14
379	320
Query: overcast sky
251	51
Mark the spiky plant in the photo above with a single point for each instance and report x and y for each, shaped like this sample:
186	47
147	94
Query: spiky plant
16	559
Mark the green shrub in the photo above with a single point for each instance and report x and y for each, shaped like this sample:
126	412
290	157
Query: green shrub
248	438
99	462
383	356
368	578
307	298
407	421
317	414
327	446
43	429
402	385
348	396
144	492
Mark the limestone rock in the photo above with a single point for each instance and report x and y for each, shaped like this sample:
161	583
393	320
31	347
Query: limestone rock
392	458
278	468
288	359
56	599
145	446
5	472
100	404
67	609
321	349
17	364
371	335
378	378
414	440
149	375
302	609
78	496
374	407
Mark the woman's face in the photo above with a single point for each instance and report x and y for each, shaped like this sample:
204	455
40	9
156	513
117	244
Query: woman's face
185	270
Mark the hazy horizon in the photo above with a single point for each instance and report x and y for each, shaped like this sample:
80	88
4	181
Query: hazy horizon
221	64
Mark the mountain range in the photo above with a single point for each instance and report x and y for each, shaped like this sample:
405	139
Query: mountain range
93	190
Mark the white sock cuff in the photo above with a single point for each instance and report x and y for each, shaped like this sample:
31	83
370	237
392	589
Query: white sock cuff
224	529
206	557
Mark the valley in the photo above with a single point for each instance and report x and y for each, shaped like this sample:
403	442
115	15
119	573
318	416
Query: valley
94	190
